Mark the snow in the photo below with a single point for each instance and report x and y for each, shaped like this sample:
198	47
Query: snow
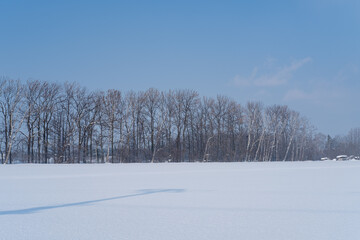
298	200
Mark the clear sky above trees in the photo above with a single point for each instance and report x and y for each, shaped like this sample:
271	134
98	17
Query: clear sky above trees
304	54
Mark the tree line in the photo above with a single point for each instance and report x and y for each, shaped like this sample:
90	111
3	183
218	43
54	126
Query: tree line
347	145
43	122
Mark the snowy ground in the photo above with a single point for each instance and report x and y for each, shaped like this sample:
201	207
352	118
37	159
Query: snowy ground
301	200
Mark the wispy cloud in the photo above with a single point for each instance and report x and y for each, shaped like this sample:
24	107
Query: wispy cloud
335	88
270	78
297	94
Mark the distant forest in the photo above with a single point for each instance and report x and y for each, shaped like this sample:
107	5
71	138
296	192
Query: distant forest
43	122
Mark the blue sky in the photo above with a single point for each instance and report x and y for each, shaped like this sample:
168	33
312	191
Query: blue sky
305	54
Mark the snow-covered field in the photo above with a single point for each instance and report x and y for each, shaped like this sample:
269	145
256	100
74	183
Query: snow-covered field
300	200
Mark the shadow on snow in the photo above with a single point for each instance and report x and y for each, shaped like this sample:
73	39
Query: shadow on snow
38	209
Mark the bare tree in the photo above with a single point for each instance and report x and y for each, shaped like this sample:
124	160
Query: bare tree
151	106
112	100
254	123
13	116
32	93
50	98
